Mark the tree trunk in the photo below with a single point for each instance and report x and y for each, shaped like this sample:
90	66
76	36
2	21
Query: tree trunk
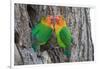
78	19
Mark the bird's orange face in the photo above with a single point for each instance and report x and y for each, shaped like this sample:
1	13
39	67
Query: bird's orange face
60	22
48	21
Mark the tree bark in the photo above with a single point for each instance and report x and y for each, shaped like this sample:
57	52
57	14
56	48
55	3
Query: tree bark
78	19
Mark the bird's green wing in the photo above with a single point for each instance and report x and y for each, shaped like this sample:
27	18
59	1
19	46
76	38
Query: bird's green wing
44	33
65	36
35	29
41	33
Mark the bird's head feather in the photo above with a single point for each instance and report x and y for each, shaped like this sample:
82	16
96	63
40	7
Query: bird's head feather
47	21
60	23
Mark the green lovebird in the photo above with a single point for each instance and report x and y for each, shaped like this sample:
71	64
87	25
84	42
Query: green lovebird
64	36
41	32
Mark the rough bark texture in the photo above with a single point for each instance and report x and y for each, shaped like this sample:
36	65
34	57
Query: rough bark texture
78	19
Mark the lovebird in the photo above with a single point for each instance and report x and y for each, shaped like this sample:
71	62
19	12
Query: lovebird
41	32
63	35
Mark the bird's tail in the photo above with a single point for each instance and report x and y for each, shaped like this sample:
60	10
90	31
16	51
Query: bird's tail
36	48
67	53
